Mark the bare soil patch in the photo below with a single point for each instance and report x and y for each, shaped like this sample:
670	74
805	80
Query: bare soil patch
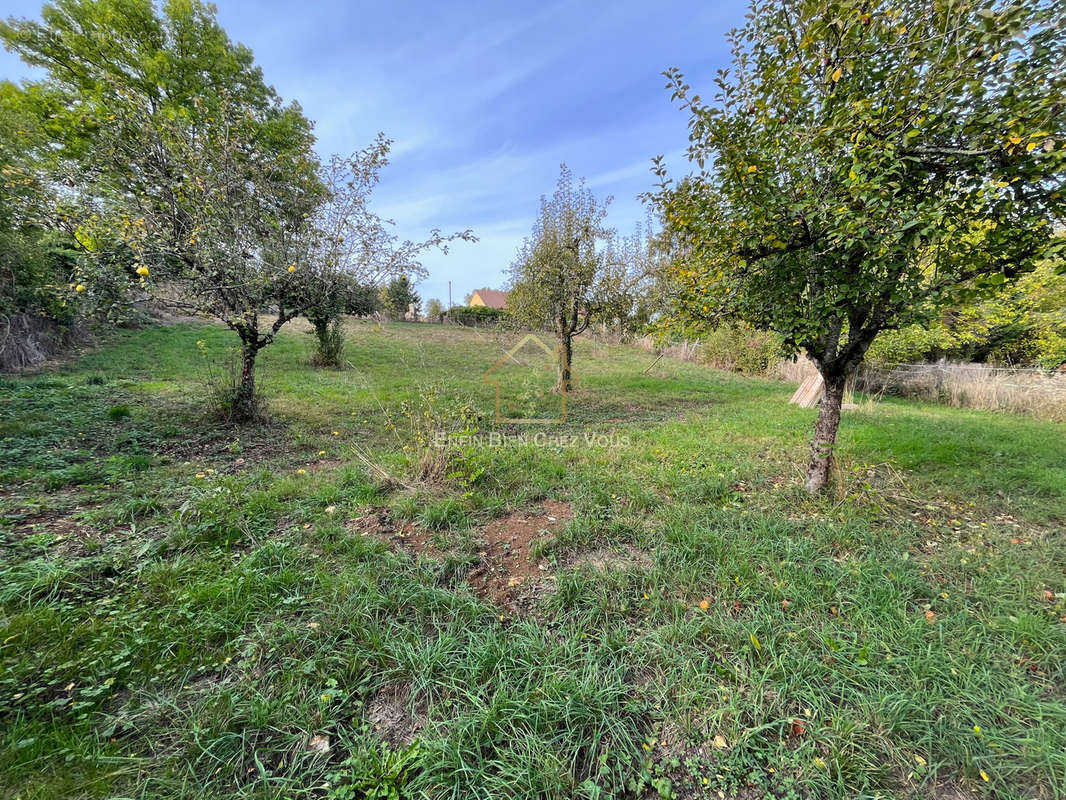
378	521
323	464
604	559
507	573
393	717
72	539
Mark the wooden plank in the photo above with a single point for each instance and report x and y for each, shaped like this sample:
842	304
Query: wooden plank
809	392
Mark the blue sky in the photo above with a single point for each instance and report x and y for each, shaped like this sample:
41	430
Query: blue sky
484	100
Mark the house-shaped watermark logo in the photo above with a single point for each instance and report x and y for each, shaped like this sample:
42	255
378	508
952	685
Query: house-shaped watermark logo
524	378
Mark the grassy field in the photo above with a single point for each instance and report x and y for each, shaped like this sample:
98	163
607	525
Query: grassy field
330	607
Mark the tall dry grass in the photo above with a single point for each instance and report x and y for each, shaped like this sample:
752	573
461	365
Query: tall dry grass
1034	392
792	371
683	351
1016	390
28	340
734	349
1021	391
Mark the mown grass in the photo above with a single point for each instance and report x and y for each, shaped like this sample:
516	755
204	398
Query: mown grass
182	607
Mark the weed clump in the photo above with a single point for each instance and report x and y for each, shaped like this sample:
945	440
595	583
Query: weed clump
119	412
430	430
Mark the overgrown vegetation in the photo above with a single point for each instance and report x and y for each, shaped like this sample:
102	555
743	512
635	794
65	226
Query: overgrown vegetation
387	588
39	309
191	604
1022	324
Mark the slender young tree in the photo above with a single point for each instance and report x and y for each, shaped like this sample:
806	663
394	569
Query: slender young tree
355	252
561	277
863	163
434	309
633	282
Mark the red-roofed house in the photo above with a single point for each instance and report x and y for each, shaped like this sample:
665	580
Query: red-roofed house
489	297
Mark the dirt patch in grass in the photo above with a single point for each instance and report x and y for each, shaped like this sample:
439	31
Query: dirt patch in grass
392	717
604	559
378	521
686	762
323	464
949	790
206	438
946	787
507	573
71	539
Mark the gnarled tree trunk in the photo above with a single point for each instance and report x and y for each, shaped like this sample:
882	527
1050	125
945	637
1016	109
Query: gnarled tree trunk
245	403
566	353
825	433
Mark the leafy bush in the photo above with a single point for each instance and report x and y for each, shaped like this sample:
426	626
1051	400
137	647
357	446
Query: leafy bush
1051	349
741	349
346	295
909	345
734	347
1023	323
329	344
425	423
357	299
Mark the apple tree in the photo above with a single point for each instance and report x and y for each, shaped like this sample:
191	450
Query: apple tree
863	163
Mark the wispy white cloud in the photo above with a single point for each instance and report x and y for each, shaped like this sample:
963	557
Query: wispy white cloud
612	177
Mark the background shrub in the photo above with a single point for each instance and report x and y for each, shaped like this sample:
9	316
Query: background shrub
476	316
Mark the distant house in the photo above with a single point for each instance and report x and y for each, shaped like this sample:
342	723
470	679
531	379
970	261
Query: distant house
489	297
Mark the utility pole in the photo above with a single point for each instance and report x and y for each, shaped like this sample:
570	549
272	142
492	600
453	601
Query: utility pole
449	295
